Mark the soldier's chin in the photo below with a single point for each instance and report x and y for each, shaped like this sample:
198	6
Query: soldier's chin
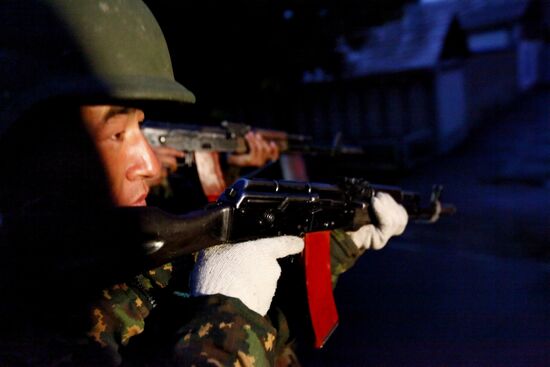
139	202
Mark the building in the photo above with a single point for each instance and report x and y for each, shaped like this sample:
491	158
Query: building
505	40
417	86
402	94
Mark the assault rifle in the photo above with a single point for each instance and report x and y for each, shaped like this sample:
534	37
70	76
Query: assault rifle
255	208
229	138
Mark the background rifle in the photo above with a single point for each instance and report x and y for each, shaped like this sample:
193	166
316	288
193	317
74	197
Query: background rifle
229	138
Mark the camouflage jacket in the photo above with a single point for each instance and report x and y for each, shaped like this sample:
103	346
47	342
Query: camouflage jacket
145	322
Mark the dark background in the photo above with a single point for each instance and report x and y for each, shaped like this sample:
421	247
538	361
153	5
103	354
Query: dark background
471	290
241	57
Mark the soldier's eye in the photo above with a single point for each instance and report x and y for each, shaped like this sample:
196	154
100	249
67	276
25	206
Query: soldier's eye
118	136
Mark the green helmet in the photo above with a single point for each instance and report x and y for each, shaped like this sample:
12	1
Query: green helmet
104	49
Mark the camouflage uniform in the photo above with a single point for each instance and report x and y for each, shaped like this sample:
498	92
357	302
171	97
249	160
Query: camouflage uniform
211	330
120	312
343	254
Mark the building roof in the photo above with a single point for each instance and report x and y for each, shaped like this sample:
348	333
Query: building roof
417	41
478	14
414	42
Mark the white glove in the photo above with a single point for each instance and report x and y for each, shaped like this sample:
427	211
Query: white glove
392	219
248	270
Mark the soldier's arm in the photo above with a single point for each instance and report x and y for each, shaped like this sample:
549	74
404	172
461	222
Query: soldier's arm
127	326
343	254
225	332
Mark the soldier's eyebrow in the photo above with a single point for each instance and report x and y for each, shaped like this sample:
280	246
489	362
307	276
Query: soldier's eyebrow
116	110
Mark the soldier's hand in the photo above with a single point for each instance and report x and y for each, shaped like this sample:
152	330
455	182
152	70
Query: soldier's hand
392	220
260	152
167	157
248	270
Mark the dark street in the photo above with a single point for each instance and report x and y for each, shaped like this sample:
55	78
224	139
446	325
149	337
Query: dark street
471	290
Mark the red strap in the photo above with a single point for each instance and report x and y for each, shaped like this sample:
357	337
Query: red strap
322	309
210	174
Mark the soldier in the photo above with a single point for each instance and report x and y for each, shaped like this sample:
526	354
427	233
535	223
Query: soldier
77	78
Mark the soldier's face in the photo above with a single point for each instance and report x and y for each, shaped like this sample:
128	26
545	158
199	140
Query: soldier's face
126	155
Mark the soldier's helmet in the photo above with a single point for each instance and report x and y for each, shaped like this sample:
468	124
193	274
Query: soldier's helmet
100	49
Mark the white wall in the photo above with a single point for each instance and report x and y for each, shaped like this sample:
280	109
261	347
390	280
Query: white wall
528	63
545	63
451	109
